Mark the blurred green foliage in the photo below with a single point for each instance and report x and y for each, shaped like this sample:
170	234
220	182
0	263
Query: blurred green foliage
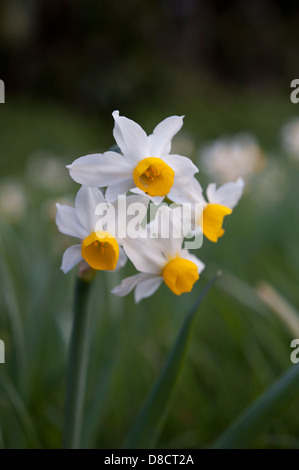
239	347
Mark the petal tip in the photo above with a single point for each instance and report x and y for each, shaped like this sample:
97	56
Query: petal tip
63	270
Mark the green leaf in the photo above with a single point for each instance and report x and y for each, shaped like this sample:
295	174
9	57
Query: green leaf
149	422
97	407
21	411
249	425
9	292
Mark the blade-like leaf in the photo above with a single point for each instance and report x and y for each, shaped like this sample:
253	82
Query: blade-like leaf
242	432
94	415
14	316
20	410
149	422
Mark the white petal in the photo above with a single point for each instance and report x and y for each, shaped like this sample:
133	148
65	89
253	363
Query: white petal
186	192
131	214
84	170
145	254
121	260
140	198
87	200
100	169
128	284
200	265
155	199
120	188
71	257
130	137
183	167
68	222
168	226
160	139
227	195
147	288
211	192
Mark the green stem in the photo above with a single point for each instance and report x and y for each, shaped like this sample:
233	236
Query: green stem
77	367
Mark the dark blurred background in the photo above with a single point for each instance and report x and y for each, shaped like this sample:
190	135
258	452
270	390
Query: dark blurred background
103	54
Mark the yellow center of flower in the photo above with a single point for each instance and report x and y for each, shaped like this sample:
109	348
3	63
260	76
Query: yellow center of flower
180	275
153	176
100	250
212	220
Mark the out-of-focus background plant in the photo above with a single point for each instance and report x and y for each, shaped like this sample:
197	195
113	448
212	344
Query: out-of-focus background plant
227	66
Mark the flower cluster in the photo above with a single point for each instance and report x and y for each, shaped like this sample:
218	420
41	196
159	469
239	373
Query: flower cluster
116	186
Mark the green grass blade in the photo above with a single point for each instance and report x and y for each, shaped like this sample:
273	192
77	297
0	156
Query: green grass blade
149	422
20	411
77	366
14	316
94	415
257	417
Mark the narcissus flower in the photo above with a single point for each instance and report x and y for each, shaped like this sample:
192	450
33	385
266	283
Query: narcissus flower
160	259
220	203
99	248
145	162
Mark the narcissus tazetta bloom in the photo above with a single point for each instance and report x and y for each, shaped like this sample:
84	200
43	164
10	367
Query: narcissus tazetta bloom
160	259
220	203
145	163
99	248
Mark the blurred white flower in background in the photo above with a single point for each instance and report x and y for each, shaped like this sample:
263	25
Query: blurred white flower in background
183	145
229	158
272	184
47	171
290	138
12	200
